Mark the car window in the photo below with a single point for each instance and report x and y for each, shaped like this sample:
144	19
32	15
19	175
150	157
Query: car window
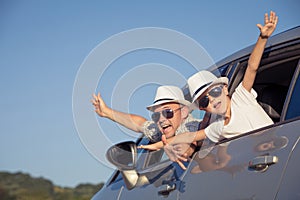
147	158
294	108
221	71
231	70
271	84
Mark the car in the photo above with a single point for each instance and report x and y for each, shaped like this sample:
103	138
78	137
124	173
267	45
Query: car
261	164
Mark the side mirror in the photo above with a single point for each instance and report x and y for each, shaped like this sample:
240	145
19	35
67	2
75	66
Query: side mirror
123	155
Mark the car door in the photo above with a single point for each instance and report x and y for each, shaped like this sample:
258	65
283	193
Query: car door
250	167
289	187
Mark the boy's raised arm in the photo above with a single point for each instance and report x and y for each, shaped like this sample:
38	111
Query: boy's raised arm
266	31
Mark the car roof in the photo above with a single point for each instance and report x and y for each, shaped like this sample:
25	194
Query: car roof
291	34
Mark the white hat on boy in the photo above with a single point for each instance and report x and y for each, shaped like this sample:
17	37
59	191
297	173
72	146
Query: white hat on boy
168	94
200	81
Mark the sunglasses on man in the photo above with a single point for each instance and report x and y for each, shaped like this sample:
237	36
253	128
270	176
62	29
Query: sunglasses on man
167	113
214	92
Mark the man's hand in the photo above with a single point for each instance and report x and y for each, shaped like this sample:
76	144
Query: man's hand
152	147
100	106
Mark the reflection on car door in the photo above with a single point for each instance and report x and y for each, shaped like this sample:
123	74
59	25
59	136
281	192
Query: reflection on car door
242	177
162	177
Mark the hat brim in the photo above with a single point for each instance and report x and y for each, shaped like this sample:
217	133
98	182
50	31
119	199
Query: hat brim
183	102
217	81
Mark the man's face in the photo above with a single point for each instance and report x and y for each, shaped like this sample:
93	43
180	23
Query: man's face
214	99
168	118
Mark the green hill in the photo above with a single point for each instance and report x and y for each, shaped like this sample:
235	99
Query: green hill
20	186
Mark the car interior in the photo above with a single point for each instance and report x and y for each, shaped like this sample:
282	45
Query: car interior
271	84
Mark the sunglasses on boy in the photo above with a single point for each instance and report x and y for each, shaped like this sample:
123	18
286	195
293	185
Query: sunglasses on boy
214	92
167	113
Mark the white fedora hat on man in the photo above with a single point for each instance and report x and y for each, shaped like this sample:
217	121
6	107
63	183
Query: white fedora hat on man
168	94
200	81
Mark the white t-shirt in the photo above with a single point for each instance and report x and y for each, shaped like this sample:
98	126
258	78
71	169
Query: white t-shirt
246	115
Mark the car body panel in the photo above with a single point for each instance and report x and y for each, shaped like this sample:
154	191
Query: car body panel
289	187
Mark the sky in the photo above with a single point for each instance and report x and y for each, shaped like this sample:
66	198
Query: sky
55	54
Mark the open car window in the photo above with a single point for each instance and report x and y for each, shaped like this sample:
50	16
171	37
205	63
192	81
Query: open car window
272	84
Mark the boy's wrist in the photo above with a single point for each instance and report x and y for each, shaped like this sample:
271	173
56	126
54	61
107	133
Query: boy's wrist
263	36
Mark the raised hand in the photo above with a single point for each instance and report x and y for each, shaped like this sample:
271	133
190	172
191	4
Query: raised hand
269	26
99	104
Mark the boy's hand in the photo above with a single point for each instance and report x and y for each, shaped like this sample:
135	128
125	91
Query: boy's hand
176	153
269	26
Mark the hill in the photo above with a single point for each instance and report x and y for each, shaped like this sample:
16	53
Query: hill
21	186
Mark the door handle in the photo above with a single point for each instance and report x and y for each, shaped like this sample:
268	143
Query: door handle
262	163
165	189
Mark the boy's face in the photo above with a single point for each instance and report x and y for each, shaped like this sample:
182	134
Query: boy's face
168	118
214	99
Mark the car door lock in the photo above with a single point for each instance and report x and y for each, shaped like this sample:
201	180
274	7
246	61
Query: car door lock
165	189
262	163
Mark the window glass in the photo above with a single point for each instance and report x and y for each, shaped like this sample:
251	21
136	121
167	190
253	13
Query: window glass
230	73
149	158
221	71
198	114
294	108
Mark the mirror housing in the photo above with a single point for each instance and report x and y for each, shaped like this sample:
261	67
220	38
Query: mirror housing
124	156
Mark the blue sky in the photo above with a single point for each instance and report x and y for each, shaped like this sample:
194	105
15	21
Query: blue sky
44	46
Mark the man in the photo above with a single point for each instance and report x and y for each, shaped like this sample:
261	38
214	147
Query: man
171	116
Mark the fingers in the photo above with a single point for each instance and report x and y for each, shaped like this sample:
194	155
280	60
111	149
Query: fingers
181	164
272	18
275	19
97	100
259	26
266	18
147	147
97	97
164	140
183	148
181	158
141	147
